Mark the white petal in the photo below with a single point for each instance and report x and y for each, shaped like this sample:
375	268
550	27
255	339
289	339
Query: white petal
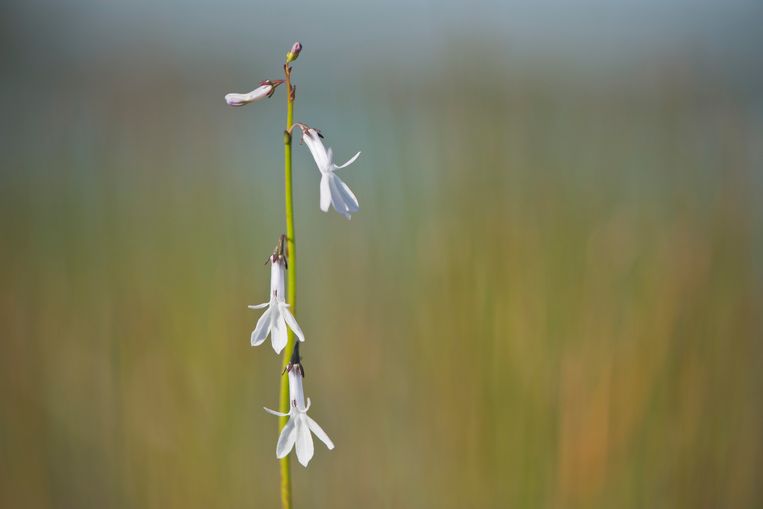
259	306
278	333
325	192
260	332
304	441
277	278
315	145
258	93
348	196
322	436
337	198
287	439
296	391
237	99
292	322
279	414
352	160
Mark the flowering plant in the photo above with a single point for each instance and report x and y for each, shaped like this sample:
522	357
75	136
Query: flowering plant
278	320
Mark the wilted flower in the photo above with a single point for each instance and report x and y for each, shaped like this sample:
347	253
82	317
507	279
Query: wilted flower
277	315
266	89
296	433
333	190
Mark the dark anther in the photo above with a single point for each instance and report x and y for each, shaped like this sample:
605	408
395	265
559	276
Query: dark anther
295	363
295	354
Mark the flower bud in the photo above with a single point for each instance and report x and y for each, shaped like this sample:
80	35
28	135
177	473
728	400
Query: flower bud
293	53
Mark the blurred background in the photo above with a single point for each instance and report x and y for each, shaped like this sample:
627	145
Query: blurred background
551	297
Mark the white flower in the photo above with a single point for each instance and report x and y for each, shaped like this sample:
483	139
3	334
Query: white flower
296	433
333	190
277	314
266	89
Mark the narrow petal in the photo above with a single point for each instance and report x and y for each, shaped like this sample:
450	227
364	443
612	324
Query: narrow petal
322	436
352	160
259	306
325	192
287	439
292	322
337	198
279	414
262	328
304	441
348	196
278	333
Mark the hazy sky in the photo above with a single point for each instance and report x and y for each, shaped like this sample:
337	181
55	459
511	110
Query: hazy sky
393	29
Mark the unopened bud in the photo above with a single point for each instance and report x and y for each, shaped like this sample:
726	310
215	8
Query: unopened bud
293	53
266	89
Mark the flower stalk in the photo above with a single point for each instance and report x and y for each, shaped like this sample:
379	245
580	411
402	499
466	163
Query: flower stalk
278	319
291	281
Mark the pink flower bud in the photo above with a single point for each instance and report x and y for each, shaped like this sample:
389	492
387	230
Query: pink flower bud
293	52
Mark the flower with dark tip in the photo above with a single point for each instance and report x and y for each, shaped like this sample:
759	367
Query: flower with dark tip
297	434
334	192
277	315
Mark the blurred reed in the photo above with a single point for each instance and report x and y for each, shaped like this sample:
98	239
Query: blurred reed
550	297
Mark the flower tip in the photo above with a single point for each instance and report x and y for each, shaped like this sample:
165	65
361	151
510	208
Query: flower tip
268	87
235	99
293	53
295	358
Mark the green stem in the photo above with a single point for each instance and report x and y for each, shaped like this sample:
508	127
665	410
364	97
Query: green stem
291	283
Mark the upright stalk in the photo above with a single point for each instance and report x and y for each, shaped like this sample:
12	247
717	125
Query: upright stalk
291	282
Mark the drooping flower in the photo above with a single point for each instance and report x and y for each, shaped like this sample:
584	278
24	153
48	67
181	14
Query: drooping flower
297	432
266	89
333	190
277	315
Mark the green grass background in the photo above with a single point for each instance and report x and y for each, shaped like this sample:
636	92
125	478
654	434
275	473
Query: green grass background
551	297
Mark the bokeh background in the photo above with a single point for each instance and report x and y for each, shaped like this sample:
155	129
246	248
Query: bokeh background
552	295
